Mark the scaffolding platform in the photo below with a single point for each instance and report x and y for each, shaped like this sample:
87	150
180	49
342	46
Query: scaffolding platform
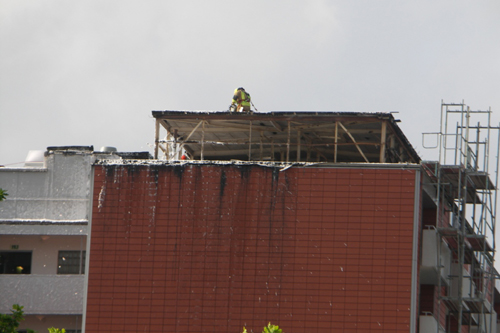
465	194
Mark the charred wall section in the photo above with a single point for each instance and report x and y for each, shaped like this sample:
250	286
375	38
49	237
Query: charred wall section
205	248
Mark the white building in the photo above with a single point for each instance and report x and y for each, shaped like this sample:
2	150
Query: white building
43	235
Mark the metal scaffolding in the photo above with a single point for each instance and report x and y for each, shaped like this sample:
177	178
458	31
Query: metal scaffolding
465	180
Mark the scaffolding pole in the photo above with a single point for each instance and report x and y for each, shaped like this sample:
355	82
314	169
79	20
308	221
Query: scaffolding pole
466	216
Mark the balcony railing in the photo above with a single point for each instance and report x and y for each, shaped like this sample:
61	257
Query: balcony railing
42	294
429	324
433	264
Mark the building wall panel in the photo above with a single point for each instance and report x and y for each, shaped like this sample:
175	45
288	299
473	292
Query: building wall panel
203	248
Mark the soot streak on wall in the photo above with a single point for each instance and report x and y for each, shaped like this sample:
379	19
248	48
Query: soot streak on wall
198	248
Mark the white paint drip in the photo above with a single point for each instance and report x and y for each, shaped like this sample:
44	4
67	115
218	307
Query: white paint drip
102	195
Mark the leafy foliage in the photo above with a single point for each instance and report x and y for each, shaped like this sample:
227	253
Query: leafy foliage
10	322
3	194
269	329
272	329
56	330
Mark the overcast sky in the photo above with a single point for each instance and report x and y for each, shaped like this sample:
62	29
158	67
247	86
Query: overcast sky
90	72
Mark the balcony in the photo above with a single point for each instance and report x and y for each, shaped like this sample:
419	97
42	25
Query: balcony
431	261
472	300
487	323
468	287
43	294
429	324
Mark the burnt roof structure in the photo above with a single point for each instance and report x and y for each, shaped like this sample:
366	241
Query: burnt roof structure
334	137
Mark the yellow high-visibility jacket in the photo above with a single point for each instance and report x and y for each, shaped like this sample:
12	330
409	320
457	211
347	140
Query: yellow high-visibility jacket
241	97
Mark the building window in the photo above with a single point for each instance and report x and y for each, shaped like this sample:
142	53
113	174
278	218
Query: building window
71	262
15	262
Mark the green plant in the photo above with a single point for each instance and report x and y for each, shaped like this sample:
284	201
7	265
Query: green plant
269	329
10	322
56	330
272	329
3	194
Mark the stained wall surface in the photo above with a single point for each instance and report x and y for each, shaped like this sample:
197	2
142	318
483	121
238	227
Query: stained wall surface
213	248
58	192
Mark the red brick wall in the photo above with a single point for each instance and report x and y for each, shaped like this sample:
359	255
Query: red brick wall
429	303
208	248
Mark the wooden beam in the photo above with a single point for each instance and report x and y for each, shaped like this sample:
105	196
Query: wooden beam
167	146
272	150
189	136
255	151
308	153
298	146
194	130
157	137
234	128
163	149
175	146
202	140
353	140
336	141
288	144
383	141
165	125
250	143
311	147
277	126
261	148
324	132
350	153
244	141
240	126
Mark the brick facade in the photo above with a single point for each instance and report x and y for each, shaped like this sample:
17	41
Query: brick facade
213	248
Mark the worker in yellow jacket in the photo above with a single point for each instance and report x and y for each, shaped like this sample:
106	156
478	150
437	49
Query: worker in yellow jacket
241	101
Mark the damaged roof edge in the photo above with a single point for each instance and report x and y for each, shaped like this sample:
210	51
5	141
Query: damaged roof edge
282	165
286	115
343	114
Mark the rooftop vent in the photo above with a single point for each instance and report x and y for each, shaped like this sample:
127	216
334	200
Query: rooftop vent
106	149
35	159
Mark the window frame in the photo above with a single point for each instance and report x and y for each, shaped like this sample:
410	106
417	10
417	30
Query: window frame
67	268
25	271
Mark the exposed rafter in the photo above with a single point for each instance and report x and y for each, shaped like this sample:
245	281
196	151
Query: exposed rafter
283	136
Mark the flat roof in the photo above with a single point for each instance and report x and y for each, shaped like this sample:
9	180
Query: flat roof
285	136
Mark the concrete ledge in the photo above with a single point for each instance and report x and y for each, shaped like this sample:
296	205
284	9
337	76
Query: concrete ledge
42	294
